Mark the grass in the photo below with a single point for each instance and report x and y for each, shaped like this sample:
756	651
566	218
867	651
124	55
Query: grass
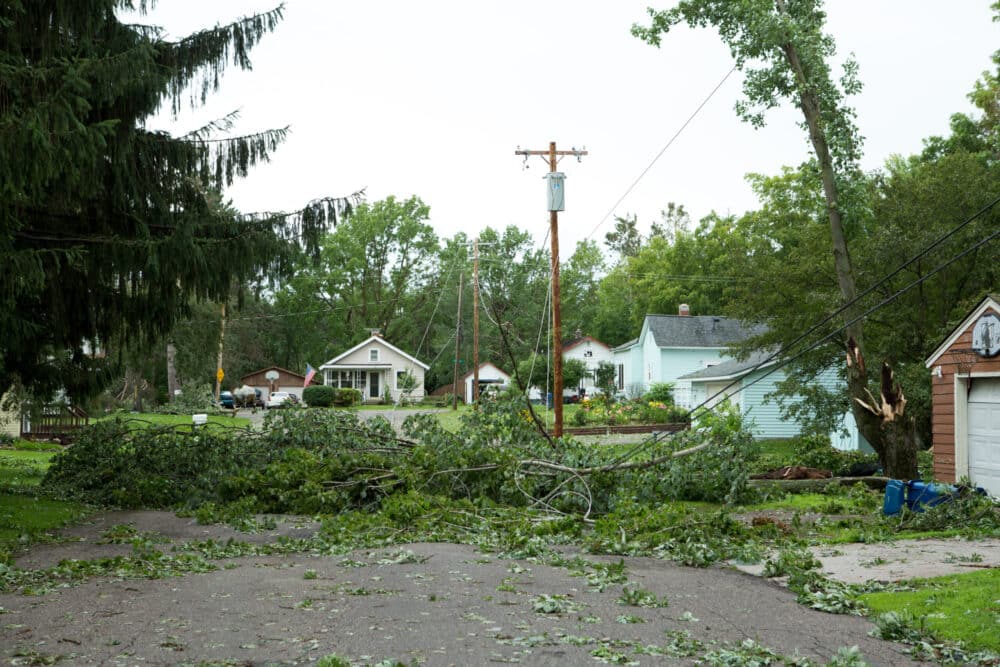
174	420
21	469
24	517
961	607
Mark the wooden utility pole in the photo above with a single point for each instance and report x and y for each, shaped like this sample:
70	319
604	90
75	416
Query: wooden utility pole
475	320
557	382
219	374
458	341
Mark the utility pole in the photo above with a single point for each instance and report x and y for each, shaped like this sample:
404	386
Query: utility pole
557	389
219	373
475	320
458	341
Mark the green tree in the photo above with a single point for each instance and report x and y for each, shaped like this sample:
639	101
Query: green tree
604	377
618	315
107	229
540	374
784	53
674	220
687	269
373	273
625	239
580	277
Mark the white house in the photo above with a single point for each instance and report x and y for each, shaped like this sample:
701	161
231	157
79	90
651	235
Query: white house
489	376
376	368
591	352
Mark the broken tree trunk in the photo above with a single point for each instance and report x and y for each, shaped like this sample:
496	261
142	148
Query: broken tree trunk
896	444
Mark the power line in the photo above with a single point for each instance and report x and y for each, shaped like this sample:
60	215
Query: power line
663	150
778	365
880	305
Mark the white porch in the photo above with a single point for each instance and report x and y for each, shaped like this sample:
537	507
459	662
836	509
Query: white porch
371	380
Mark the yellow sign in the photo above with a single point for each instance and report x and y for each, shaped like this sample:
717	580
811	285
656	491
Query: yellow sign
220	375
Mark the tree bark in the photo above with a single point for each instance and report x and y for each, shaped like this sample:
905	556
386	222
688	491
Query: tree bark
899	449
868	424
173	384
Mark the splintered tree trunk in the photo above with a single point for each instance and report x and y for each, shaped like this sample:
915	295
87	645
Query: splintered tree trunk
173	384
896	441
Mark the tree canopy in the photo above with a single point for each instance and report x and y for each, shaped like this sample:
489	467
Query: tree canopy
109	230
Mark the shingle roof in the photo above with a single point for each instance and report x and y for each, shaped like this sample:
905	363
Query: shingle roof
698	330
625	346
731	368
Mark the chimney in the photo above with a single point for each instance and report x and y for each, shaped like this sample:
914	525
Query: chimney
684	310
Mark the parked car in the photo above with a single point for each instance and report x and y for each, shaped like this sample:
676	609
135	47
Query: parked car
226	400
279	399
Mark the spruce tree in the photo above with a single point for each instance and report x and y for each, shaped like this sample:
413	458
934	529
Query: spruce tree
108	230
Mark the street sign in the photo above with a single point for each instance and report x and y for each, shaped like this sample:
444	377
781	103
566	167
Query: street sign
220	375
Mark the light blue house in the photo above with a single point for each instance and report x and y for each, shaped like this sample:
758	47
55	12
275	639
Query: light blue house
747	385
671	346
693	353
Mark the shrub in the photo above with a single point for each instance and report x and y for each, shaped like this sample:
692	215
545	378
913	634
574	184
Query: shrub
194	397
345	397
660	392
815	451
319	396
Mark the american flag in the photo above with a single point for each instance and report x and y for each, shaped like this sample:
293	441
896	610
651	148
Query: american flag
310	374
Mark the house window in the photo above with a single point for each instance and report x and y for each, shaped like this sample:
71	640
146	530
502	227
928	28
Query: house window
373	354
621	376
399	374
353	380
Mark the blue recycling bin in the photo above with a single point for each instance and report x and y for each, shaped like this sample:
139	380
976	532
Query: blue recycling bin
894	498
921	494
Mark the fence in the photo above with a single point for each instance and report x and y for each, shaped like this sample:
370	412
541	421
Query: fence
53	422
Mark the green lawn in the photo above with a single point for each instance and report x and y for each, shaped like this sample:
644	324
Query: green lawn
962	607
21	469
24	517
155	419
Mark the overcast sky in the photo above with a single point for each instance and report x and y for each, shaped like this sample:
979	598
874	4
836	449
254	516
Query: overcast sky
432	98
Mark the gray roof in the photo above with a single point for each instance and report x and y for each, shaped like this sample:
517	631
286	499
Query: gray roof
625	346
698	330
732	368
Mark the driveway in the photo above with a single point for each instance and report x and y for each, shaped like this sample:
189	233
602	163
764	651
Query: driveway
439	604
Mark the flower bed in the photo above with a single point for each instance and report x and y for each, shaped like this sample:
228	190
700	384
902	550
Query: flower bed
598	412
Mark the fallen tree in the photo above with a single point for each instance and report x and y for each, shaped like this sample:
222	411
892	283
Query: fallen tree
326	461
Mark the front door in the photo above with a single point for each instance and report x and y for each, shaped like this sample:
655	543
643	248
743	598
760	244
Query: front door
373	388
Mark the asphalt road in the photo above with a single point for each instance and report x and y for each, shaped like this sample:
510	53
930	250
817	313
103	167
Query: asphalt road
439	604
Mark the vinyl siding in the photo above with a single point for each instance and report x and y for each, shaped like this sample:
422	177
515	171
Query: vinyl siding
677	362
766	414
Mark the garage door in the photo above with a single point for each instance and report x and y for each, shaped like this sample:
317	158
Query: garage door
984	434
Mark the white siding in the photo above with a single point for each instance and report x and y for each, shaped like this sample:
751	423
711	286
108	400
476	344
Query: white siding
10	419
591	354
487	372
362	357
